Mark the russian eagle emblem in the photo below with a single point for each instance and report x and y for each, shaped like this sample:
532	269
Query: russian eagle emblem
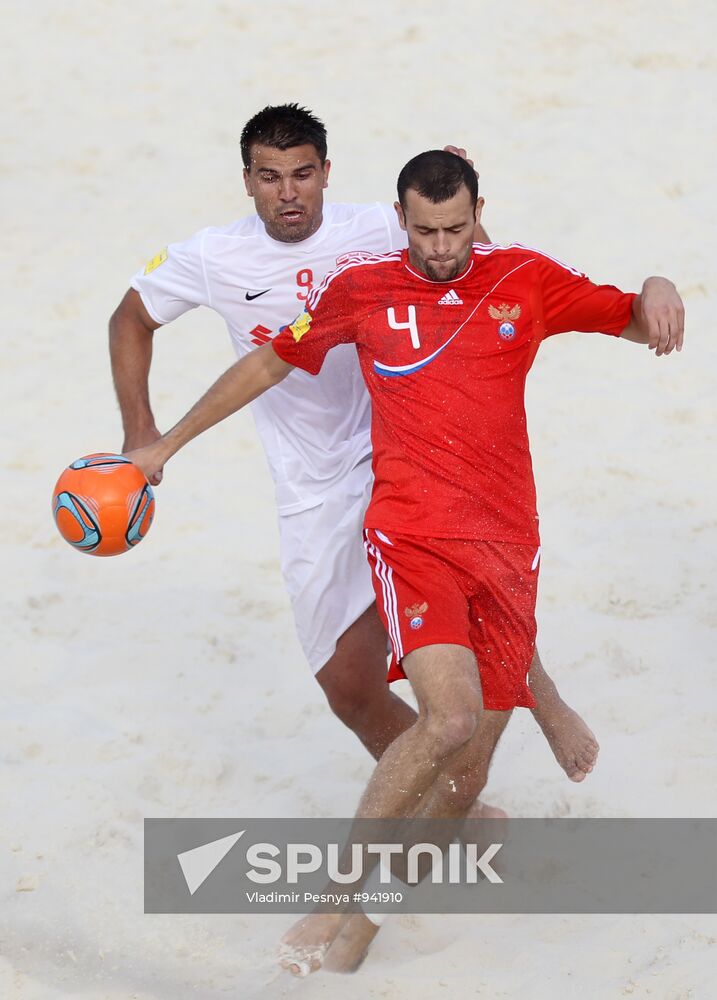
417	609
504	313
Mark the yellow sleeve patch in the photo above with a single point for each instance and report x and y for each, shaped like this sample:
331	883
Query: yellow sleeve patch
154	263
300	326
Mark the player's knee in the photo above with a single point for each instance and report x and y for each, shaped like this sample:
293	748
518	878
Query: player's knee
451	729
349	694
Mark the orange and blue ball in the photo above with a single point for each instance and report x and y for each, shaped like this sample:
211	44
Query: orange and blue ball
103	504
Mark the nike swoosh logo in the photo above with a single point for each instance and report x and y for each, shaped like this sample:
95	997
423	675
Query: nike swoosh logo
249	297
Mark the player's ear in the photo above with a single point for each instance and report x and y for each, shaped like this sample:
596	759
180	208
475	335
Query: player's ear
401	215
327	168
479	209
247	182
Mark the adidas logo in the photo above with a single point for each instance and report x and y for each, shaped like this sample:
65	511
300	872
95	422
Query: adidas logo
450	299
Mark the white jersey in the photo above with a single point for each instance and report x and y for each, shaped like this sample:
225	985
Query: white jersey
314	430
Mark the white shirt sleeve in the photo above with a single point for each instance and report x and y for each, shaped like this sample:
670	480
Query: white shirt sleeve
174	281
398	238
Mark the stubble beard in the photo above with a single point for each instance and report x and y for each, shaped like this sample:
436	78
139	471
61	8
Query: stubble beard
436	275
286	233
432	271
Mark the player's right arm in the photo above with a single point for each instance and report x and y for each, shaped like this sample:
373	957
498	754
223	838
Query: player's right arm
658	317
247	379
173	282
131	340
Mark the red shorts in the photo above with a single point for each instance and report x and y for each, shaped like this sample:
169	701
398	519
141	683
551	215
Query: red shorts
465	592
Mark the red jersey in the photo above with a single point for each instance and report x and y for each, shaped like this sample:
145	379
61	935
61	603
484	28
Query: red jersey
445	364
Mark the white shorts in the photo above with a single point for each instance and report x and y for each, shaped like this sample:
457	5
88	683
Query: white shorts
324	564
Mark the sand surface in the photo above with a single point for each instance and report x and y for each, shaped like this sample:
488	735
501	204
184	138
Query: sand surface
169	682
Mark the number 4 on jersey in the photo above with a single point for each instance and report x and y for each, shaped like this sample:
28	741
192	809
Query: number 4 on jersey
410	324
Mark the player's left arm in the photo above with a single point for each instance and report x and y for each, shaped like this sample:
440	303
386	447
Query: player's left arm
658	317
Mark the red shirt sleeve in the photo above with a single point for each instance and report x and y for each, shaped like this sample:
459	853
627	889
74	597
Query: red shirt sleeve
572	302
327	321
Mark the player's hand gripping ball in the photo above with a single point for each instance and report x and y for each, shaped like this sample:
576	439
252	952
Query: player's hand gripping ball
103	505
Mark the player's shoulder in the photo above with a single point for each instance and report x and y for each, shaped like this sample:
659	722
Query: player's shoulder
204	239
364	264
341	213
239	229
370	226
518	255
503	251
357	271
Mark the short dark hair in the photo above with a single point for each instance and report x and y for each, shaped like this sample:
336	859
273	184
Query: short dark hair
438	176
283	126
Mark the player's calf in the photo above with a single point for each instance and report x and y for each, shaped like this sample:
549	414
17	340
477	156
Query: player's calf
354	682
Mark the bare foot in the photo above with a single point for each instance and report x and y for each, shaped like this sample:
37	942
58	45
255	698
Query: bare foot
477	832
303	947
572	742
351	944
481	810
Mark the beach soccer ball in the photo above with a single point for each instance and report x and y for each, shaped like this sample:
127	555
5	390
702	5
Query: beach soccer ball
103	505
